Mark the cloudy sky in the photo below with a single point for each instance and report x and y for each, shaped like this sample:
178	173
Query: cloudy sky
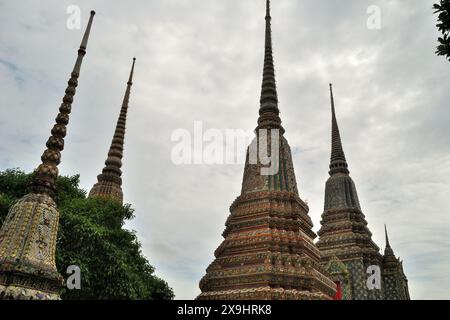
202	60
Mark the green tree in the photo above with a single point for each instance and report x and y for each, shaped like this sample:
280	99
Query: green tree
91	236
443	10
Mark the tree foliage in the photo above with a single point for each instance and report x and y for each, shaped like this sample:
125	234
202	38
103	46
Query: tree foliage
91	236
443	10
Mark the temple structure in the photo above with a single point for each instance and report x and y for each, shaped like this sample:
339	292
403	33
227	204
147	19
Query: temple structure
109	183
345	241
268	250
28	234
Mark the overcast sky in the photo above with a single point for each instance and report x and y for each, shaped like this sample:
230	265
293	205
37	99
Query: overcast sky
202	60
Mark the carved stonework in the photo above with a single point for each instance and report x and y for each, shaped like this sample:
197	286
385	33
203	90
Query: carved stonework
107	190
339	272
27	249
268	252
283	180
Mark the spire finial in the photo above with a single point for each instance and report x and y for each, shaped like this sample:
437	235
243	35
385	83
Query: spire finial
338	162
389	256
269	99
130	79
109	183
387	237
83	45
47	172
87	32
268	110
332	102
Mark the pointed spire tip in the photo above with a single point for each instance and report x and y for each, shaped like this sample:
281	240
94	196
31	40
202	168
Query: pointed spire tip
130	79
109	182
85	39
269	99
338	162
387	237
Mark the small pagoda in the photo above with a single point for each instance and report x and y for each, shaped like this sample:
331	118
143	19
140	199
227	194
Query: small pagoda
345	241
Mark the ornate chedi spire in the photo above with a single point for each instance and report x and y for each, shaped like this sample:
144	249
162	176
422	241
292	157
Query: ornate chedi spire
344	233
268	250
28	234
268	111
394	279
388	246
109	183
338	163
